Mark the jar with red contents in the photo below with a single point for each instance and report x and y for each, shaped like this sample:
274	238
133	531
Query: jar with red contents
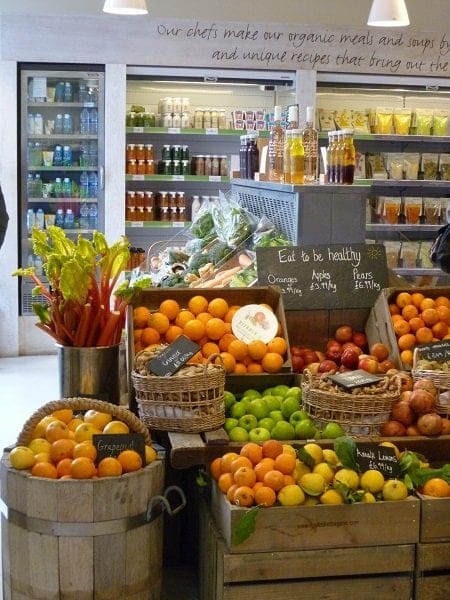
131	167
140	152
141	167
149	205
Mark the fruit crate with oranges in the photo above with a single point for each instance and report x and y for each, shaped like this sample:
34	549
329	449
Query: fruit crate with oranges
362	551
402	319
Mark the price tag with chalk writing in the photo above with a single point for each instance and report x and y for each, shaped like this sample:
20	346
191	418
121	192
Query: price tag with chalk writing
380	458
112	444
439	351
173	357
352	379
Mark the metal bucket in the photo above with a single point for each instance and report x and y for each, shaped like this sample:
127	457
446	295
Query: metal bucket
89	372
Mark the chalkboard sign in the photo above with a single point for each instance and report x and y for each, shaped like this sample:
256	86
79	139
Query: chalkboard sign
381	458
112	444
356	378
439	351
325	277
173	357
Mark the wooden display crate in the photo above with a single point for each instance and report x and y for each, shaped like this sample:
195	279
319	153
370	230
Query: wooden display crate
355	571
433	550
379	325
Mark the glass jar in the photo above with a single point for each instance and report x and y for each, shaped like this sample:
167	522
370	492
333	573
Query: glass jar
140	152
149	152
208	165
131	152
223	169
149	167
198	118
131	167
199	165
141	167
215	166
165	153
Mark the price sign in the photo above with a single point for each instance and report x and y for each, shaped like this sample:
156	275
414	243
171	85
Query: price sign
325	277
173	357
352	379
381	458
112	444
439	351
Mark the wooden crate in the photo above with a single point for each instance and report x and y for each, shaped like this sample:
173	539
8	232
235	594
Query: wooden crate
433	550
363	572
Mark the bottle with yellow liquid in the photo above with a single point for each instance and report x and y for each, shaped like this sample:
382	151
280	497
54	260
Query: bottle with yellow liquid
287	156
297	158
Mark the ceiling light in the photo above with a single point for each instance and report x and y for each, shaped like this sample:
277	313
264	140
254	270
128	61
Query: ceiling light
125	7
388	13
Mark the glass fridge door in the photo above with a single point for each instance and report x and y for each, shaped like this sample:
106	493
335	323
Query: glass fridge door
61	157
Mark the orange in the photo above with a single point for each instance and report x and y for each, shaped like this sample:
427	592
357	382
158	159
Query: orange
197	304
218	307
285	463
416	298
39	430
231	490
254	368
442	301
194	329
240	369
63	414
394	309
196	359
403	298
262	467
278	345
170	308
225	481
227	360
265	496
86	449
183	317
159	321
406	357
141	315
272	362
130	460
226	461
215	468
429	316
109	467
424	335
63	467
149	336
243	496
274	479
401	327
245	476
215	328
440	329
395	318
62	448
240	461
409	311
230	313
172	333
406	341
238	349
56	430
426	303
210	348
137	333
225	341
44	469
257	349
82	468
443	313
272	448
252	451
204	316
415	323
436	487
289	480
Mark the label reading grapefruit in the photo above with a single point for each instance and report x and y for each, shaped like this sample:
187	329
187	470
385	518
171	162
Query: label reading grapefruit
254	322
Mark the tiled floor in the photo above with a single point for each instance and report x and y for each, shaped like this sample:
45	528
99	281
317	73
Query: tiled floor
26	384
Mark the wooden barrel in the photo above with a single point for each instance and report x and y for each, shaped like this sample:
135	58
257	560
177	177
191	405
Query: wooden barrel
81	539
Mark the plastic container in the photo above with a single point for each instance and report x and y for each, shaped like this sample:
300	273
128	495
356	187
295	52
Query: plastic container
84	185
93	185
84	121
69	219
93	122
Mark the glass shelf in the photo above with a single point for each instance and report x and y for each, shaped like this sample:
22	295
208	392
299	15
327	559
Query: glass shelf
196	178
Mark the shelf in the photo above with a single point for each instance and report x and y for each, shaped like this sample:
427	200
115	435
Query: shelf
63	136
191	131
418	272
387	227
408	184
61	168
62	104
378	137
43	200
156	224
196	178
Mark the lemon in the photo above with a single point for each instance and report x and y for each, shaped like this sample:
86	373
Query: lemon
313	484
347	477
311	500
21	457
300	470
38	445
331	497
325	470
391	445
315	451
330	457
288	449
150	454
368	498
291	495
394	489
372	481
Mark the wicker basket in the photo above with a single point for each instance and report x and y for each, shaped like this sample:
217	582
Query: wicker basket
189	404
357	414
82	404
441	380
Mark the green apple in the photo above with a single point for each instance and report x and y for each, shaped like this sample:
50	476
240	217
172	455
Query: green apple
248	422
289	406
238	434
281	389
296	392
238	410
251	393
266	423
282	430
230	423
332	430
298	415
273	402
229	399
258	407
276	415
268	391
259	434
305	430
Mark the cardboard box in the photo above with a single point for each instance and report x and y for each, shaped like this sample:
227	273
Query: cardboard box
379	324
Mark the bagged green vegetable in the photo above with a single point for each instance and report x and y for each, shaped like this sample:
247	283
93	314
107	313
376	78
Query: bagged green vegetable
233	223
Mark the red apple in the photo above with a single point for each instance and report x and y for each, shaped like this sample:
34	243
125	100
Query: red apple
380	351
310	356
368	364
350	358
351	345
334	352
297	363
392	429
387	365
296	350
327	365
359	338
343	333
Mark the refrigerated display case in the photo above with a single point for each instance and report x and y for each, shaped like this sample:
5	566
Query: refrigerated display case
61	171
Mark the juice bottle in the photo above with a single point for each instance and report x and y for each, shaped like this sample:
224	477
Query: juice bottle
287	156
297	154
348	170
276	146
